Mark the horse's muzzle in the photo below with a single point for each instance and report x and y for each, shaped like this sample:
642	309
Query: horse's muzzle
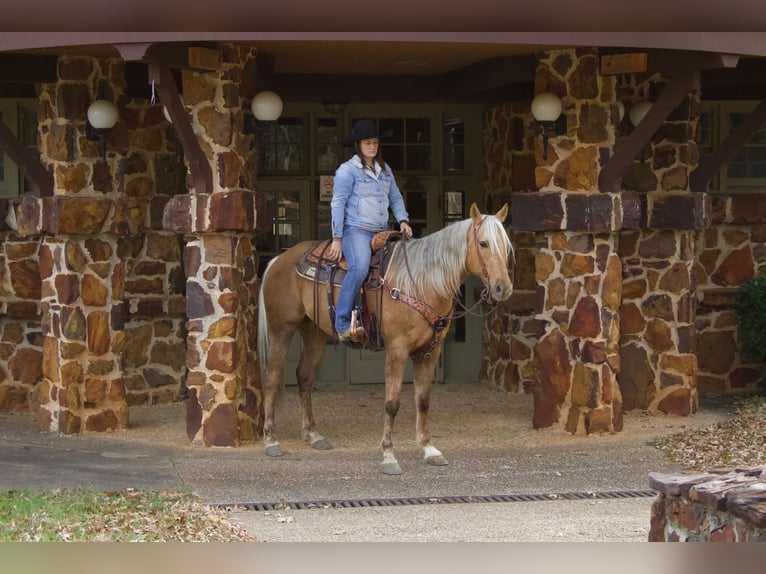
500	291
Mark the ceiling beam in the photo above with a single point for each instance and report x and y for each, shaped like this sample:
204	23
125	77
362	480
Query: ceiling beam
488	74
321	87
28	68
665	61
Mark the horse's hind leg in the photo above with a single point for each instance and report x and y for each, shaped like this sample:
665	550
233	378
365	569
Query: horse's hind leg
424	370
314	342
272	386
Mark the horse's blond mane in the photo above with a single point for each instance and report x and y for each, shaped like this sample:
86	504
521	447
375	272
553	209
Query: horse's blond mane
436	263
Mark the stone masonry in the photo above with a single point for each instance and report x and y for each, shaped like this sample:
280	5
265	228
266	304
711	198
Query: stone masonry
615	323
220	261
727	505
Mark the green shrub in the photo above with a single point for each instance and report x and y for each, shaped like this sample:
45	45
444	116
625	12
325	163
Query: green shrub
751	311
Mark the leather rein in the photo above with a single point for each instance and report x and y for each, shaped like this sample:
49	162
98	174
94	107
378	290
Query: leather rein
440	322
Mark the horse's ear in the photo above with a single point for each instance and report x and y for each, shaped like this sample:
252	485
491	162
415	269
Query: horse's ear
475	213
503	213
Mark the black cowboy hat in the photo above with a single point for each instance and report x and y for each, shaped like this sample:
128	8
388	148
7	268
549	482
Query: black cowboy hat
365	129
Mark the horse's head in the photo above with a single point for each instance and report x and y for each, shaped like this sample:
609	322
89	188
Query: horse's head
490	254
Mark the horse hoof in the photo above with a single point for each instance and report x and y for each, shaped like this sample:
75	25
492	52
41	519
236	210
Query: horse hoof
390	468
437	460
274	450
321	444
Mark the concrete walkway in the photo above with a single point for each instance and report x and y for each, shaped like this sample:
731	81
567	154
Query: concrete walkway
486	435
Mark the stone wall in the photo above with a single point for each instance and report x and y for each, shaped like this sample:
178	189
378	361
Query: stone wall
511	330
731	251
655	226
722	506
111	272
20	336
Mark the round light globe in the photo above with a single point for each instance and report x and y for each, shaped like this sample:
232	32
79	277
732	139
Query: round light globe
102	114
638	111
620	110
546	107
266	106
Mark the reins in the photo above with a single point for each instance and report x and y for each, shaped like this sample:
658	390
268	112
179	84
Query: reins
439	322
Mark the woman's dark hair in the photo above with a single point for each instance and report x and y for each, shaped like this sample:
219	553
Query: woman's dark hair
378	156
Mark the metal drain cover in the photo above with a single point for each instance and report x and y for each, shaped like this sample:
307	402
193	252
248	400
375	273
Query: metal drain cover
416	501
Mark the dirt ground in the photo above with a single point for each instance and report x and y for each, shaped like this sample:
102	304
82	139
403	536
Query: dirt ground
464	415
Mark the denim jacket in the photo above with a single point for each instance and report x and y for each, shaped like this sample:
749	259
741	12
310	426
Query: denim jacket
361	198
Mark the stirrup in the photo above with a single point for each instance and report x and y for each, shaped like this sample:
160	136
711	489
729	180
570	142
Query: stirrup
355	336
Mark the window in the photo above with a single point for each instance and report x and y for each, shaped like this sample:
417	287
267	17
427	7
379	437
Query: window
21	118
279	223
283	146
409	148
747	169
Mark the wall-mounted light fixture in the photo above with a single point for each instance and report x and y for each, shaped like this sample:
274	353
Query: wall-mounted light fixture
546	109
620	110
266	106
638	111
102	115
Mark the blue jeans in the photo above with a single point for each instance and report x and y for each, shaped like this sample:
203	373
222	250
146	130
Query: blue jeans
357	251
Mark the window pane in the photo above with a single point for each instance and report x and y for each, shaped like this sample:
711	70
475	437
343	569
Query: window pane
418	130
394	156
394	124
282	145
454	148
418	158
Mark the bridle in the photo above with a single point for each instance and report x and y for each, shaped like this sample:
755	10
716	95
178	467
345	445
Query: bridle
440	322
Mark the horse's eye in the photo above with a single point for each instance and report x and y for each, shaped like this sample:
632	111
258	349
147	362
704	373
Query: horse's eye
483	244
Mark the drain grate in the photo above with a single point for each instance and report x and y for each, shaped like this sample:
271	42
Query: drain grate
417	501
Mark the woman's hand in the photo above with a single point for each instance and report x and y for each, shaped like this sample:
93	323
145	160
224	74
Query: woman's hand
406	230
335	250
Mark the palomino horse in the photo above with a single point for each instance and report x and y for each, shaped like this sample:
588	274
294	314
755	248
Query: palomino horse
422	279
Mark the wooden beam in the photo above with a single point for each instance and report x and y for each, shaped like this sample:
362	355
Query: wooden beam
488	75
738	137
40	180
320	87
610	178
665	61
28	68
633	63
169	97
200	58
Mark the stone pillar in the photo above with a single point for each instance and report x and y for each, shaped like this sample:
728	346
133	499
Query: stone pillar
220	262
82	389
221	289
590	240
577	267
658	346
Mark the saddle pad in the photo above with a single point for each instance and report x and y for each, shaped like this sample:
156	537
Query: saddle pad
314	259
307	266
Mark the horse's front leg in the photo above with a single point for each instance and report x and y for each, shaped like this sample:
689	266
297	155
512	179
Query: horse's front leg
313	349
424	370
395	364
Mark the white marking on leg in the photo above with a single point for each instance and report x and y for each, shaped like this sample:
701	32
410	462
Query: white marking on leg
431	451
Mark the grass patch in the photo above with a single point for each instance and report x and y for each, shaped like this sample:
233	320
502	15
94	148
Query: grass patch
85	515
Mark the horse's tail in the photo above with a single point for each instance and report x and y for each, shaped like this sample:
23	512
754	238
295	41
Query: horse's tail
263	326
